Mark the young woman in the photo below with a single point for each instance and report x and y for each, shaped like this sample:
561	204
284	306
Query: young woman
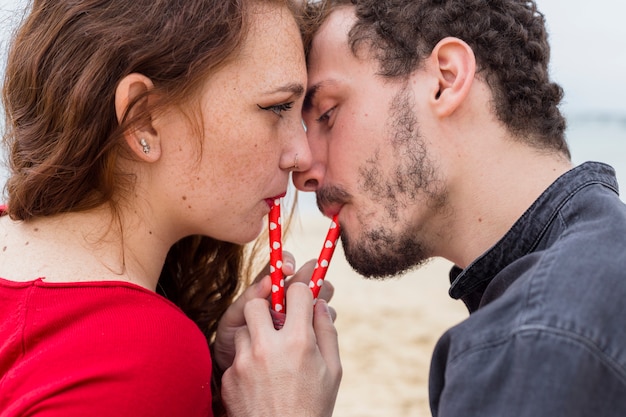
146	140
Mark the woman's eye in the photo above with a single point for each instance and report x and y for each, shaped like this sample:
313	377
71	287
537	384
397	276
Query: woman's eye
278	108
324	118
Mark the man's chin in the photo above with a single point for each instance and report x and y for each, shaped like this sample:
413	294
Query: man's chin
381	266
376	259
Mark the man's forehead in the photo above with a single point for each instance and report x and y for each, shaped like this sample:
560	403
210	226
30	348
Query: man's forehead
336	27
329	53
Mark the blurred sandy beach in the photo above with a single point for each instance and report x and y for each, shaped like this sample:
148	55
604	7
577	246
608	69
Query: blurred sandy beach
387	329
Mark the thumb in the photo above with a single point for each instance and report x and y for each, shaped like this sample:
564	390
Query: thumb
234	316
234	319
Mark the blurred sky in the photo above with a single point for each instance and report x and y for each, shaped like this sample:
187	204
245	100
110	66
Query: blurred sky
588	50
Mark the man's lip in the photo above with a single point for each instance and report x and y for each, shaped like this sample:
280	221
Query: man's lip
331	210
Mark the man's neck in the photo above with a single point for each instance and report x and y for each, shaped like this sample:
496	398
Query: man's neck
493	190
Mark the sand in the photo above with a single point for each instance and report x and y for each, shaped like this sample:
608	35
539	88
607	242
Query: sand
387	329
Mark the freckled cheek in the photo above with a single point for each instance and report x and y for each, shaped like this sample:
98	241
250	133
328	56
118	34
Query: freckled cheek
243	173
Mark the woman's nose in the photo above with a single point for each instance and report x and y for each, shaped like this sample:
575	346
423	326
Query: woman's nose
309	176
298	158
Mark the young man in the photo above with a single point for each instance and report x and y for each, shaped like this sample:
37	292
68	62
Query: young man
435	131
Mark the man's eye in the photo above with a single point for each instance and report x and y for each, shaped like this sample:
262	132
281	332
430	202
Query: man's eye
278	108
326	116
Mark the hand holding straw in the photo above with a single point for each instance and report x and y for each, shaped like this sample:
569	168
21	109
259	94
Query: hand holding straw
317	279
276	263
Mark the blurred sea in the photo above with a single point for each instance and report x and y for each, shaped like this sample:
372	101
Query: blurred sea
600	137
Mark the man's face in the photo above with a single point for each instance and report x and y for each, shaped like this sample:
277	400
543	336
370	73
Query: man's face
370	163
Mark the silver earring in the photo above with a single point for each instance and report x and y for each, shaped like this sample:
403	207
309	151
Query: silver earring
146	147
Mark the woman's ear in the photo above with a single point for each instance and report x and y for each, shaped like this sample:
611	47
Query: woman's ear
142	138
454	64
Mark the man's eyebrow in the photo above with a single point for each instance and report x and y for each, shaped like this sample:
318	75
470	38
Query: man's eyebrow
293	88
310	96
312	92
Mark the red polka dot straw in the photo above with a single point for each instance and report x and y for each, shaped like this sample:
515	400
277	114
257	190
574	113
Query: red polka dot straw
317	279
276	258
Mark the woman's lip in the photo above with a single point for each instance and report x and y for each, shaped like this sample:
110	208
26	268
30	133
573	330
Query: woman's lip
270	201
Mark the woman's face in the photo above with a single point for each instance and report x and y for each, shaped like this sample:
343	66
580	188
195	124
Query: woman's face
220	177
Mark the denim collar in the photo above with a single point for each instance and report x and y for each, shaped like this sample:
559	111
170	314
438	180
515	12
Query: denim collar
527	232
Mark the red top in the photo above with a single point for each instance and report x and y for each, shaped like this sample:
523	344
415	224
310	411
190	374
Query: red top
99	349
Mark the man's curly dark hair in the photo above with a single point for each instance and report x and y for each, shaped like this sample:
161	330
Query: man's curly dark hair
508	37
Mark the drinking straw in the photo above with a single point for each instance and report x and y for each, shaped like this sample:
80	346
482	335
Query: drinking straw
276	258
317	279
276	262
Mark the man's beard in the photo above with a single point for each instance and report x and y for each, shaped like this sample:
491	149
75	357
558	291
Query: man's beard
392	245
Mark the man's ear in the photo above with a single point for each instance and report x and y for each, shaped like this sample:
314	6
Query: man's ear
142	138
454	64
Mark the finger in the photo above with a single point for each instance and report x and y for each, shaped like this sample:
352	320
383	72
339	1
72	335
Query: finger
299	306
243	346
327	291
258	318
333	313
304	273
289	263
327	338
232	320
234	316
242	340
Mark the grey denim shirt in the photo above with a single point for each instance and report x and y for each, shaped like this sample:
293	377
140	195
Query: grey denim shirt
546	335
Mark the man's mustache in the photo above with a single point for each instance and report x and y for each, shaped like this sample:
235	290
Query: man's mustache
331	195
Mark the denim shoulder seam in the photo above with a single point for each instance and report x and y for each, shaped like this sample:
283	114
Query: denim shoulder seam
586	343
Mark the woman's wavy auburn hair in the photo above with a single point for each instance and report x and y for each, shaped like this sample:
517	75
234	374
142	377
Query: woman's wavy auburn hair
63	139
508	37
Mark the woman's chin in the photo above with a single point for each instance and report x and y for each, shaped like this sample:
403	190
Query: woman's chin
247	235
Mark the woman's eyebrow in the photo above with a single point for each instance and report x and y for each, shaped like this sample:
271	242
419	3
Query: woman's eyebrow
294	88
